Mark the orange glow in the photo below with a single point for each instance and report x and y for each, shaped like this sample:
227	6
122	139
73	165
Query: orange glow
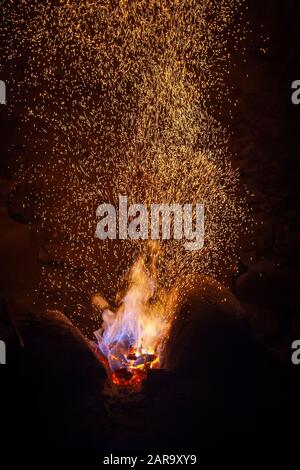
132	339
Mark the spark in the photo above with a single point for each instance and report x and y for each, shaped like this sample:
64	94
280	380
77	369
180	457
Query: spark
124	98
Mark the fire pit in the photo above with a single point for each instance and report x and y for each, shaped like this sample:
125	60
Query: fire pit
131	340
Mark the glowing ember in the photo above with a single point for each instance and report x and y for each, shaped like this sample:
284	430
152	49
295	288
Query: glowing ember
132	338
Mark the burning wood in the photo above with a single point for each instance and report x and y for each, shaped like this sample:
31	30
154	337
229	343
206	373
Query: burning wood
131	339
144	359
132	354
126	378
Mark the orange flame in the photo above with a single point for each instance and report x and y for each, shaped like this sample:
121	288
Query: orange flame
132	338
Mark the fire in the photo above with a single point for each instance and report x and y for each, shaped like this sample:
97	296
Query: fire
132	338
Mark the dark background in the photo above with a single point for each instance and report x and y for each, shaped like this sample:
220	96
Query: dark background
265	149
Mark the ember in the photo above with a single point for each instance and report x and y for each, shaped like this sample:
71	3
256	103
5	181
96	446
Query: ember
132	338
136	372
125	378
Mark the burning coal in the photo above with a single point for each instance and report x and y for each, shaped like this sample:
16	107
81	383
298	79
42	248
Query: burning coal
132	338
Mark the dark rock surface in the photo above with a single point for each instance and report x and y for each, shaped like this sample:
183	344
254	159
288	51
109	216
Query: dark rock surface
51	389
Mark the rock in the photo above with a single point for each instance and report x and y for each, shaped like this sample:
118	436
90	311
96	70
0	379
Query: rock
44	256
270	326
23	202
20	269
219	381
62	254
248	257
54	396
5	189
270	286
205	301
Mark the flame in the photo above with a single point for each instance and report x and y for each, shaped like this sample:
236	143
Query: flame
132	338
